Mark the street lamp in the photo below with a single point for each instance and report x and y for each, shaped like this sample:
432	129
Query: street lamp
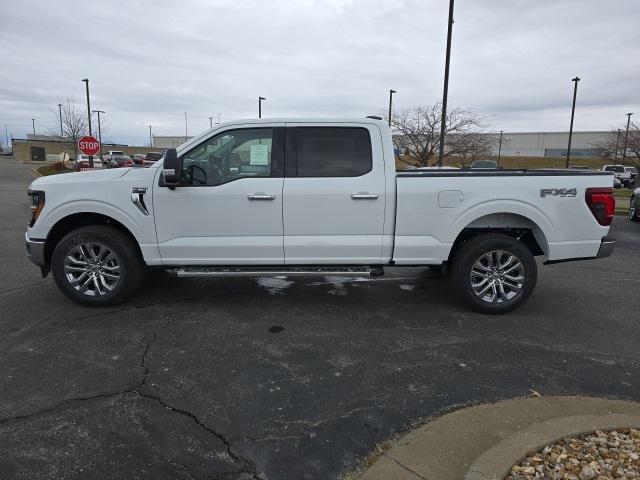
33	122
186	133
86	81
60	112
500	140
150	137
626	137
391	92
615	158
445	91
573	110
210	122
260	99
99	129
6	135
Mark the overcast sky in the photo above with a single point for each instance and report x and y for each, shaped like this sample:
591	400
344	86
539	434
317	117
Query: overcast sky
150	61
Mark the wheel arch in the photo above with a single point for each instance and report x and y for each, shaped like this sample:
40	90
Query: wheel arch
83	219
516	225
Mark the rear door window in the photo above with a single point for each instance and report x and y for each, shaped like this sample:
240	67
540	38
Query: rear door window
333	151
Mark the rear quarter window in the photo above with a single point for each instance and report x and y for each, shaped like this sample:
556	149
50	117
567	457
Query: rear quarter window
333	151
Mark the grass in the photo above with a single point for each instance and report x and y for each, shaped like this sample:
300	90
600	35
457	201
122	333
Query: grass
623	196
48	170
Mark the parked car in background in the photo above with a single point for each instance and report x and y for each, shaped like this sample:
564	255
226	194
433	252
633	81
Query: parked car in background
634	176
151	158
82	161
484	165
109	155
579	167
138	158
617	183
634	206
620	172
120	161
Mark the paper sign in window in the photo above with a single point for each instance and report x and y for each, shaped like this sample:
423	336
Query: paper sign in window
259	155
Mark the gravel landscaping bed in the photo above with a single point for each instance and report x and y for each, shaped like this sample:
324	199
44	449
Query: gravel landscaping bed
597	456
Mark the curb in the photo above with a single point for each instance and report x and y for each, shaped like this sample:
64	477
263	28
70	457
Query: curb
496	462
483	442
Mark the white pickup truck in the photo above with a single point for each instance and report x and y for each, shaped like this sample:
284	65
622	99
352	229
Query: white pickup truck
308	197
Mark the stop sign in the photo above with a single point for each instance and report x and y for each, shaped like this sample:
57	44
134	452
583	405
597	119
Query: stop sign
89	145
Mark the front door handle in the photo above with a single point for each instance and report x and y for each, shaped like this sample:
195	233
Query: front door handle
261	196
364	196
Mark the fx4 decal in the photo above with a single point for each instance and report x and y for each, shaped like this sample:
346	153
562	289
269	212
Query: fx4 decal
558	192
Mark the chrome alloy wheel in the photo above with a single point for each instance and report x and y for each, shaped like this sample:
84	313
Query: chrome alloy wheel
497	276
92	269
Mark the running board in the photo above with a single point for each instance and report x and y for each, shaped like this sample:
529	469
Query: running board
277	271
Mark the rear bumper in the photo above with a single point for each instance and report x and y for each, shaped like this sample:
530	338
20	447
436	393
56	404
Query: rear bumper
606	247
35	250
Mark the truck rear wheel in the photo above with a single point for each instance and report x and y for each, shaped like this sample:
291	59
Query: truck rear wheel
494	273
96	265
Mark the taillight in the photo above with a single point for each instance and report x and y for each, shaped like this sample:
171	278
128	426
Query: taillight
602	204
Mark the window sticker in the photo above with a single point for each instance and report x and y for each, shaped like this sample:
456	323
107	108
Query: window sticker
259	155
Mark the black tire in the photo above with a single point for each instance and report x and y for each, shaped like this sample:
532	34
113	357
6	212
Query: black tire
123	260
507	297
634	209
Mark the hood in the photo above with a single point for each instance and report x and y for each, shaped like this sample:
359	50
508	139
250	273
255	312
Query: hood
75	177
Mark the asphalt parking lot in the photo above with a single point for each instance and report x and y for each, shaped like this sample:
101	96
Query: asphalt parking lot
282	378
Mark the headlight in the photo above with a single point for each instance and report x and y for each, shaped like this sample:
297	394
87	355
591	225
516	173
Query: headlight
37	204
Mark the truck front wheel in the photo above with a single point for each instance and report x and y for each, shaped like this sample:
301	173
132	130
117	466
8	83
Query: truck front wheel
494	273
96	265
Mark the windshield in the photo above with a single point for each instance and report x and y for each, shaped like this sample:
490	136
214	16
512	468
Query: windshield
614	168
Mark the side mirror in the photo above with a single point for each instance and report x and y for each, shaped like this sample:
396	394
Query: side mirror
171	168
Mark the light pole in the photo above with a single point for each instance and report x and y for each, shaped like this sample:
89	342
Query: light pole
210	122
615	158
573	111
626	137
86	81
150	137
260	99
501	139
60	112
6	136
391	92
445	91
33	122
186	133
99	129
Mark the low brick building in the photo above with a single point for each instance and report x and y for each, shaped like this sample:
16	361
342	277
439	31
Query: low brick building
43	148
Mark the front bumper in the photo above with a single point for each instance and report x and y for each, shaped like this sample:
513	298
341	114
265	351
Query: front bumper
606	247
35	250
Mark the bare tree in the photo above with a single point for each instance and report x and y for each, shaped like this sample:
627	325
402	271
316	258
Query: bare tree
418	130
611	141
74	122
466	148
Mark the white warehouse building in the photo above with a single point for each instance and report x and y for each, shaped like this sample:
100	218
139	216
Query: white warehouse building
550	144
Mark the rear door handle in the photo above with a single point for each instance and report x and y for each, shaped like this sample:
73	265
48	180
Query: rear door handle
261	196
364	196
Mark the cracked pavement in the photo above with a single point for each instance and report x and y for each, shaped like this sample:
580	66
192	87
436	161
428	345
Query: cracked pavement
297	379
